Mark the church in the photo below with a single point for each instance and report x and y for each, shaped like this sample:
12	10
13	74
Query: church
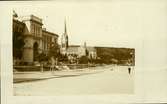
75	51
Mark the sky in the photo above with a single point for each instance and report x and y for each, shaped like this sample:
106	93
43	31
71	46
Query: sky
115	23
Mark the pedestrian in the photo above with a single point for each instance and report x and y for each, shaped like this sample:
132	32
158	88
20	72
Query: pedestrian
129	69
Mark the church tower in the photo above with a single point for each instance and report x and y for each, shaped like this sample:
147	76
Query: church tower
64	39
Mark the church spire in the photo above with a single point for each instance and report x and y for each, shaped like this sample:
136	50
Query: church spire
65	28
64	39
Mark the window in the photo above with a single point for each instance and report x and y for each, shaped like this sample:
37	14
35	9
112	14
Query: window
34	29
38	31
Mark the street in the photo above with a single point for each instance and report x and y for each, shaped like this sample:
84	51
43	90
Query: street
108	81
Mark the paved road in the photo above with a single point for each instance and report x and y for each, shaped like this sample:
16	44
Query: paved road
20	77
106	82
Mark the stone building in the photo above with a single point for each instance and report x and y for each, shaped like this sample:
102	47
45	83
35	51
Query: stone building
35	38
49	38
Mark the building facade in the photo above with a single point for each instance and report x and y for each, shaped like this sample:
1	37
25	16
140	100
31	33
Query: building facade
35	38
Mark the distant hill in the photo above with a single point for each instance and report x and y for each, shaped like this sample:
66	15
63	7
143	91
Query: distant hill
116	55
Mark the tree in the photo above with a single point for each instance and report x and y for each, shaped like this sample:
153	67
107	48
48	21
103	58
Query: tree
64	58
35	51
107	54
83	60
54	51
87	52
42	57
18	44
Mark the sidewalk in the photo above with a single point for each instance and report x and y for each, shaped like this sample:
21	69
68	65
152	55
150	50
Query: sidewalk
19	77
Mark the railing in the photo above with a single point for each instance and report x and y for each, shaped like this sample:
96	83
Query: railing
27	68
47	67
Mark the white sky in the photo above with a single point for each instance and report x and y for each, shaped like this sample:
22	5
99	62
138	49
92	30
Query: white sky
115	23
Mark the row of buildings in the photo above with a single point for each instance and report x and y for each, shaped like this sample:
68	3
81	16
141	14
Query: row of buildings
30	38
36	39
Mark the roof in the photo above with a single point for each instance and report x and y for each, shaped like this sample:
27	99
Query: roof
51	33
31	18
74	45
91	49
75	48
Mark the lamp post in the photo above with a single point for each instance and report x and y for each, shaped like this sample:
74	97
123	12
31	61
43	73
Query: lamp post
132	58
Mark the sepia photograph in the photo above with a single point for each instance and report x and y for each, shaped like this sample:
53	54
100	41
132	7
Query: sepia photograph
77	52
58	53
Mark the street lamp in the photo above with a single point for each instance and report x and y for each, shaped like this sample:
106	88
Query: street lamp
132	60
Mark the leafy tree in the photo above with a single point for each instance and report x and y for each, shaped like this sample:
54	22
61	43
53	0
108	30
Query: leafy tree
35	52
18	43
87	52
83	60
110	55
42	57
63	58
54	51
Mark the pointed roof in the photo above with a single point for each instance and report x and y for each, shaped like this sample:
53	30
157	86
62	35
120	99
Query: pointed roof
65	28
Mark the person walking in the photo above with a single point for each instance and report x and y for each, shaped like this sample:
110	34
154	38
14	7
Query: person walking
129	69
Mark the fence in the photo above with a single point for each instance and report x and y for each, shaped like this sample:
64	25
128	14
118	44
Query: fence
47	67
